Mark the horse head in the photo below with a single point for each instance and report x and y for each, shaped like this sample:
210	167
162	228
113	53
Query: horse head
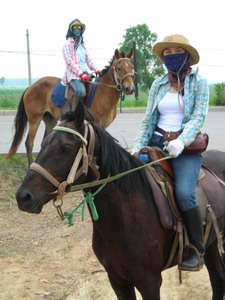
123	71
66	156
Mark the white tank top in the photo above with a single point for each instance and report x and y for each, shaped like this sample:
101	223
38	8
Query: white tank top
171	112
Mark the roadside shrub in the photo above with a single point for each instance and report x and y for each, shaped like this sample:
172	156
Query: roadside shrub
220	93
10	97
8	101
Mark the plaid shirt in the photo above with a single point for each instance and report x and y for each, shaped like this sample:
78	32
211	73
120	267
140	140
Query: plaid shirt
196	102
72	61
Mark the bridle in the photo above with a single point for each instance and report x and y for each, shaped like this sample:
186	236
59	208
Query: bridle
119	80
115	76
84	154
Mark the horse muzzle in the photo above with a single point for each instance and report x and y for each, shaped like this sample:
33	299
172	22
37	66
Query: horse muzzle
128	89
28	203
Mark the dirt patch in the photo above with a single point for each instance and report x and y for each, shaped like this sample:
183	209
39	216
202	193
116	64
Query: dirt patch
42	258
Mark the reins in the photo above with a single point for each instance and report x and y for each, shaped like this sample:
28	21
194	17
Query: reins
112	178
75	172
116	78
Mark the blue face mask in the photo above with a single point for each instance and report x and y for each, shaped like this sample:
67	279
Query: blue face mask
77	32
174	62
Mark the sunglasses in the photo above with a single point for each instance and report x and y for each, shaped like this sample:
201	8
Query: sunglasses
76	27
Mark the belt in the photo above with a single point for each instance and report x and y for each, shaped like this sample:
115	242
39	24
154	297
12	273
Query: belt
168	135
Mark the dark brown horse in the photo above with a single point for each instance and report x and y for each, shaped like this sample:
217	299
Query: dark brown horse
128	238
36	103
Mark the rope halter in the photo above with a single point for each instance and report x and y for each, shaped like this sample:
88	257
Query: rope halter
82	154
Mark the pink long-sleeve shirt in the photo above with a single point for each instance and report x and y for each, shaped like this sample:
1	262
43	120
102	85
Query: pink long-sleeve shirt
72	61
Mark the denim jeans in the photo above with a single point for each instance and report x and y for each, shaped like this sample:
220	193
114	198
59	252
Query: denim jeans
186	169
78	87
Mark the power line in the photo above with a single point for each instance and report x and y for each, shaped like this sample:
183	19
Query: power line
42	54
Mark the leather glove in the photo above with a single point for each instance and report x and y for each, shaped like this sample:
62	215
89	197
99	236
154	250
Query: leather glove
84	77
98	72
174	147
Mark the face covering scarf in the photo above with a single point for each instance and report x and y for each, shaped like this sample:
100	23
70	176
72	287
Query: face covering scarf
178	66
77	35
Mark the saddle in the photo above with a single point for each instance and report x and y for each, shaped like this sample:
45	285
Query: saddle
211	201
161	179
62	92
90	90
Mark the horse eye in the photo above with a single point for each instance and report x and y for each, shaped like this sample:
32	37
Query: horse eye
118	69
66	148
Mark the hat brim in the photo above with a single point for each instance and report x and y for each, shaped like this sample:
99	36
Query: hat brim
158	49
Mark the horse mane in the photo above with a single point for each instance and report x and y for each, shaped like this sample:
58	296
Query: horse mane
106	68
115	160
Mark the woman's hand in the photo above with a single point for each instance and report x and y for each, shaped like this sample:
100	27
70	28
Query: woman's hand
174	147
98	72
84	77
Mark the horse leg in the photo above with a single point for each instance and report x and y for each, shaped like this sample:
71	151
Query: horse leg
149	287
29	143
216	268
50	123
123	289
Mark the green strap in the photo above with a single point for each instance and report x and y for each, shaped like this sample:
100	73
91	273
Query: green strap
89	198
109	179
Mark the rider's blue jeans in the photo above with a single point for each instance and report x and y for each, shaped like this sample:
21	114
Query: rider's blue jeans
186	169
78	87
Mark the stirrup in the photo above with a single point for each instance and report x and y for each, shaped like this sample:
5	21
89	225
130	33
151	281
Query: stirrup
199	257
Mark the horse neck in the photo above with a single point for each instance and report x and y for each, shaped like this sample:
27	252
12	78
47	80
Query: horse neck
105	100
115	208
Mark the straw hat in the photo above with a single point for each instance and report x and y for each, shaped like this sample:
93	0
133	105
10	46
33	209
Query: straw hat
176	40
77	22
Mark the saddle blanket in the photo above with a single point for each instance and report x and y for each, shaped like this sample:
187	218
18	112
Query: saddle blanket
58	94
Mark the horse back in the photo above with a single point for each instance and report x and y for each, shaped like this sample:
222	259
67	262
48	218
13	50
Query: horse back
37	98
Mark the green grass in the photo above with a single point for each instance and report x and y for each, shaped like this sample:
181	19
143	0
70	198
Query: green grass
4	254
132	102
212	99
66	249
17	166
10	97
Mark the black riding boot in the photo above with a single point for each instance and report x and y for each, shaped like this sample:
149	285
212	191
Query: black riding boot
71	107
65	108
75	100
193	222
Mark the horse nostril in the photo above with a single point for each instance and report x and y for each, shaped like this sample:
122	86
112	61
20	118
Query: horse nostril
129	90
24	200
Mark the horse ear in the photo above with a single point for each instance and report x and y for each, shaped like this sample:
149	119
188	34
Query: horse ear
79	114
130	54
117	54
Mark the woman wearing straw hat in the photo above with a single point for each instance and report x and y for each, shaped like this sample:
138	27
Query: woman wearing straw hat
78	60
178	101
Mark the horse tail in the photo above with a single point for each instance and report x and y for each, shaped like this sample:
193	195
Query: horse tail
20	126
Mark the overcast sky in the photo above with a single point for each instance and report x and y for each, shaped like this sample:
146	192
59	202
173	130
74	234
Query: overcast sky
201	21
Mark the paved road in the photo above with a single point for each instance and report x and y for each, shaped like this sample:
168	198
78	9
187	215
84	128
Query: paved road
124	129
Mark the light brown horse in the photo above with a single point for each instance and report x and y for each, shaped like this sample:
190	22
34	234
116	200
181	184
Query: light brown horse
36	103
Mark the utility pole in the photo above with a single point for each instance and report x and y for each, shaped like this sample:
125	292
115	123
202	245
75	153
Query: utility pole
28	58
135	70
